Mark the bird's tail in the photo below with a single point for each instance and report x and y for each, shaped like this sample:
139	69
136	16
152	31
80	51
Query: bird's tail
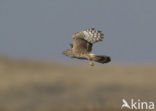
101	59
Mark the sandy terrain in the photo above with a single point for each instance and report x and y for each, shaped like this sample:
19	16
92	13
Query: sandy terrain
27	85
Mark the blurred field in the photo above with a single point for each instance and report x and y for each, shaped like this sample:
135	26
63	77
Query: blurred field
27	85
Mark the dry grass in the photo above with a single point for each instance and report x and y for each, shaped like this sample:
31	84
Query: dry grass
47	86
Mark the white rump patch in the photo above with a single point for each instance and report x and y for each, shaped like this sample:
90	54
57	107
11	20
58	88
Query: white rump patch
92	55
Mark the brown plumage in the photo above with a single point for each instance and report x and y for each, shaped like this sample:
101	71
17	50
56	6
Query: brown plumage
82	46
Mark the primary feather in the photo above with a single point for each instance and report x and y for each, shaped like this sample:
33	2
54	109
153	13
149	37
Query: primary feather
92	35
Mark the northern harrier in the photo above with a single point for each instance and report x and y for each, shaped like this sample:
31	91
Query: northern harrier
82	46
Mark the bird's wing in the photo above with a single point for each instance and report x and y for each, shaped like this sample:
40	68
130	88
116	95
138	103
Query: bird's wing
86	38
91	35
81	46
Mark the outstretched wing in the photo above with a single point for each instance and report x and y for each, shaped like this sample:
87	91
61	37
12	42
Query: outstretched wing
86	38
92	35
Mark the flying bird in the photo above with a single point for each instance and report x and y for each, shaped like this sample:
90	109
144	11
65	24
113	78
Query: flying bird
82	46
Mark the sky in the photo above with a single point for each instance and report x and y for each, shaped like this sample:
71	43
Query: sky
42	29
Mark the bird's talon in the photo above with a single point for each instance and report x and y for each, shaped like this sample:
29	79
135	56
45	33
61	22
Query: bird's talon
91	64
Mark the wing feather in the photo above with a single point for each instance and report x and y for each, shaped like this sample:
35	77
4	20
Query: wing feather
84	40
91	35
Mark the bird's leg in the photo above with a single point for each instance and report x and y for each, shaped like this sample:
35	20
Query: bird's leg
90	63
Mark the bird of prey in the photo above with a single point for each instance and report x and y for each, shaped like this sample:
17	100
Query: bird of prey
82	46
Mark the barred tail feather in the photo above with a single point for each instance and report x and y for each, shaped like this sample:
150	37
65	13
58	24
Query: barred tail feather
101	59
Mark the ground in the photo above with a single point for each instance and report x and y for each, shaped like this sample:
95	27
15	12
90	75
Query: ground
31	85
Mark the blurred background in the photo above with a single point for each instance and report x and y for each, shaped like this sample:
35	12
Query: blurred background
35	76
